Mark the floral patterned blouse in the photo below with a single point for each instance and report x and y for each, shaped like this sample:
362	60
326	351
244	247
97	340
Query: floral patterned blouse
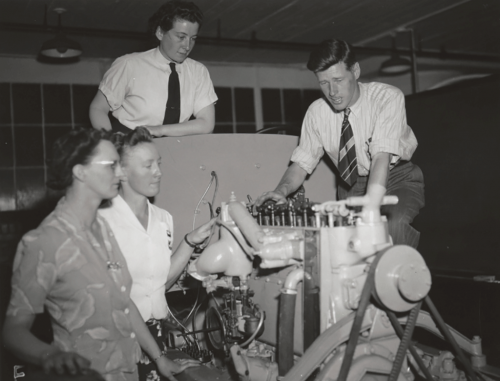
85	288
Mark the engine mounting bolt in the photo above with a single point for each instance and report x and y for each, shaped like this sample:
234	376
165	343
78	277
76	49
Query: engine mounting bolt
268	279
280	282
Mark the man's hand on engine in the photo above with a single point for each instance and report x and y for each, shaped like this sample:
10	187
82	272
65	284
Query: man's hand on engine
271	195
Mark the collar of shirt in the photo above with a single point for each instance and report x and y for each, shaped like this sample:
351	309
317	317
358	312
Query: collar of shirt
164	63
68	215
356	107
123	207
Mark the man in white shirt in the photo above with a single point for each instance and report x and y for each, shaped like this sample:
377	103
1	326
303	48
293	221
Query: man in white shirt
374	159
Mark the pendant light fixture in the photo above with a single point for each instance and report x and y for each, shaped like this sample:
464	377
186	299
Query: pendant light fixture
60	46
395	65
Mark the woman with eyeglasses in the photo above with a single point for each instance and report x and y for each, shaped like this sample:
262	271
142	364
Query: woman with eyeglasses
72	266
144	233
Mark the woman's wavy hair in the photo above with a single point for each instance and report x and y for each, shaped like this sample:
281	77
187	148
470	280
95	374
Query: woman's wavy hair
73	148
123	142
172	11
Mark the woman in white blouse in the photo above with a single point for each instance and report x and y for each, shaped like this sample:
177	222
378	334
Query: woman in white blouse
145	234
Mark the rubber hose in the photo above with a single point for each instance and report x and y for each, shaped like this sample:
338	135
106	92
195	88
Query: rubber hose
285	332
413	351
447	334
405	341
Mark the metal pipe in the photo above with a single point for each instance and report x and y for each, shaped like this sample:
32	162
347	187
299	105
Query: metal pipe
411	22
292	280
259	326
413	57
252	44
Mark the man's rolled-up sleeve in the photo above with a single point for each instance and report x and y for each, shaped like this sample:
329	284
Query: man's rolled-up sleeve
390	127
310	149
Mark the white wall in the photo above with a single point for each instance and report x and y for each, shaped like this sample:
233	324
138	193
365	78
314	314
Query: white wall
90	71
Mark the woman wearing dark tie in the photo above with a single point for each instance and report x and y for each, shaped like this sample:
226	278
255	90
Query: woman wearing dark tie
161	89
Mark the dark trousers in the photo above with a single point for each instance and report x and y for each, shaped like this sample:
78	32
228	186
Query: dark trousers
116	126
407	182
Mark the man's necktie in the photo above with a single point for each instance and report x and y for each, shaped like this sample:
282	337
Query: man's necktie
173	109
348	165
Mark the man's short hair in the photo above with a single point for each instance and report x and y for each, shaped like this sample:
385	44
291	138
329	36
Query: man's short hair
172	11
331	52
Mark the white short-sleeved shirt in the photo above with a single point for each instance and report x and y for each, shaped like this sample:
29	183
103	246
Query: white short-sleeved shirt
136	87
147	253
378	121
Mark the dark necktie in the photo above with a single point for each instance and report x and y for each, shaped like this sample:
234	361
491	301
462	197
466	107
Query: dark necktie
348	165
173	109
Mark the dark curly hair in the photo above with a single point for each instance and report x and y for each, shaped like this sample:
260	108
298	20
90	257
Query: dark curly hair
73	148
329	53
123	141
171	11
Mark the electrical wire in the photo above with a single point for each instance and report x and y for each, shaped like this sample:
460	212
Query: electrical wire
214	177
194	306
186	337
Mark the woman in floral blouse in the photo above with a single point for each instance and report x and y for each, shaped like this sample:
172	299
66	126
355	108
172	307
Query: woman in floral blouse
72	266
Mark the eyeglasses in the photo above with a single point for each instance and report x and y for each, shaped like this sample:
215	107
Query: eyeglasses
112	163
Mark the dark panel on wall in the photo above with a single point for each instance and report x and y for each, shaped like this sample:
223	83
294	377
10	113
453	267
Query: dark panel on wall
271	106
223	129
57	103
293	105
245	128
458	133
244	105
6	150
5	103
309	96
7	192
29	146
27	101
224	105
82	97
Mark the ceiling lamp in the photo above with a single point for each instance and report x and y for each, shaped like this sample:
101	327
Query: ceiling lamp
395	65
60	46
